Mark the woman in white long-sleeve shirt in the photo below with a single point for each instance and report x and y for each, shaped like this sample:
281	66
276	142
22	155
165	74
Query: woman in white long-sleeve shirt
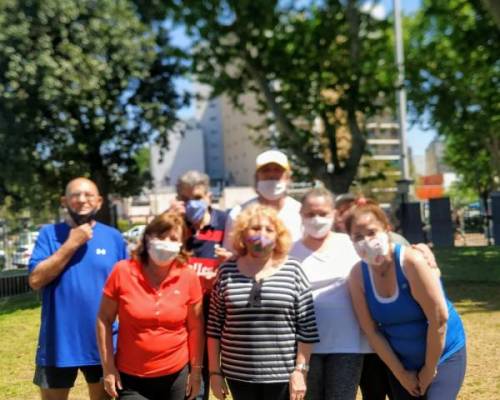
327	259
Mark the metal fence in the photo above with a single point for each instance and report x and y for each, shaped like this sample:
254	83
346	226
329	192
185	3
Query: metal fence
12	284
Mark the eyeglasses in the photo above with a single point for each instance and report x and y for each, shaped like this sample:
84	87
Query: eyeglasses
86	195
255	297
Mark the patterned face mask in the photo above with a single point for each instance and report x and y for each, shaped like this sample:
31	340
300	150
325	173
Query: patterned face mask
373	251
260	245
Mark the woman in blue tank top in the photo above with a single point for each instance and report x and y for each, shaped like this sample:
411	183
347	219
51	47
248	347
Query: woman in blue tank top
402	308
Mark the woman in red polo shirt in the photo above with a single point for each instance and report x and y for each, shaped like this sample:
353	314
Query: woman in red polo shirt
158	301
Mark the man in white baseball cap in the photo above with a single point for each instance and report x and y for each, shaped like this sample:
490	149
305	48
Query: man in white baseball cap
272	179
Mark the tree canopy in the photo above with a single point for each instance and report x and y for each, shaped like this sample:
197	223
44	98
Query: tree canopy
84	85
454	82
318	71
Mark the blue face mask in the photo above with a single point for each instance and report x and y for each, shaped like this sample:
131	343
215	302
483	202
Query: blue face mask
195	210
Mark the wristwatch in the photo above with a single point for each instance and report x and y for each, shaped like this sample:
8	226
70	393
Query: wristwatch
302	367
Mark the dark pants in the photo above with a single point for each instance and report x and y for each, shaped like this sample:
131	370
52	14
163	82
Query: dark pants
258	391
167	387
334	376
374	381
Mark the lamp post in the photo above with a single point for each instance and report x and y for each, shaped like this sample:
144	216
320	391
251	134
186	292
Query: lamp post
405	181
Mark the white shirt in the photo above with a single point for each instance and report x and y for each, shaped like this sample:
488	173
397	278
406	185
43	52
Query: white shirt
328	271
289	214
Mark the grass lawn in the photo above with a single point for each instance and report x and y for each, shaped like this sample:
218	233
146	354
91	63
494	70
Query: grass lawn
472	279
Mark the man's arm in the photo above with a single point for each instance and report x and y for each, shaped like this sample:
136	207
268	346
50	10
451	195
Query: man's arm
50	268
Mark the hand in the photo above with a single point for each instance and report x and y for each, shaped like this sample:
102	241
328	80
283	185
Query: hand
425	378
207	280
219	387
427	253
297	385
222	254
409	381
80	235
112	382
177	206
193	384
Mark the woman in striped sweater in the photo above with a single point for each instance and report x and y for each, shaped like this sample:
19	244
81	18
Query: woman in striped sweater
261	323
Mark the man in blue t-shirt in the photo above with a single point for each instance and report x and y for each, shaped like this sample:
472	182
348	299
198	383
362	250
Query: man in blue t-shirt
207	234
70	264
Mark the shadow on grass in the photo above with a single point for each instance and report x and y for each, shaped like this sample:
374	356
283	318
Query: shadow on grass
469	264
474	297
24	301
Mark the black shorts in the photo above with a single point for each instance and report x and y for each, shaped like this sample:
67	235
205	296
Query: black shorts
64	377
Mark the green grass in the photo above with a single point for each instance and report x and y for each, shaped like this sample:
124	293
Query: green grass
472	280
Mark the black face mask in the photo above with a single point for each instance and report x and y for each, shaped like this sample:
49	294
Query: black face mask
81	219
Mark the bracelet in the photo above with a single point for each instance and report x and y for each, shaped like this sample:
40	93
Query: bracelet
219	373
196	366
302	367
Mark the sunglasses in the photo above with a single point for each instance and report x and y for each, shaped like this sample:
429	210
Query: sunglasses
255	297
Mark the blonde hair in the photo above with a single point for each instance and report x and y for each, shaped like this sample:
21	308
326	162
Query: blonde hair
242	224
160	225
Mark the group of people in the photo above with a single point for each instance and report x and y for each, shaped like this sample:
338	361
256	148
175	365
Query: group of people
276	299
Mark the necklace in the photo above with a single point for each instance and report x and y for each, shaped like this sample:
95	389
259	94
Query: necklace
383	269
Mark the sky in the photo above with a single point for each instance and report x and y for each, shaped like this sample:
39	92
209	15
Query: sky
417	138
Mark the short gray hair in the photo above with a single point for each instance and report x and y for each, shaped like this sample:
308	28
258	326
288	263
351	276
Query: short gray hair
193	178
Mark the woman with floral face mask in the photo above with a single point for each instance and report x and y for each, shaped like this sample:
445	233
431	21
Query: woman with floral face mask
402	308
327	259
261	323
158	301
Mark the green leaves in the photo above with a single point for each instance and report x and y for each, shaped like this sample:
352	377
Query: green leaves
454	79
83	86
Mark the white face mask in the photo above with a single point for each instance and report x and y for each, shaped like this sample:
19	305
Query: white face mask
272	189
373	251
163	252
318	227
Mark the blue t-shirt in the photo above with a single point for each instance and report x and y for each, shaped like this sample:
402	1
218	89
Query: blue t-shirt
403	322
71	301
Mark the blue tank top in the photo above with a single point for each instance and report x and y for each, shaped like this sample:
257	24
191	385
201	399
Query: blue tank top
403	323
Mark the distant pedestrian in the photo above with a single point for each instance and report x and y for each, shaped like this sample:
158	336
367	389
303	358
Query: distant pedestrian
70	263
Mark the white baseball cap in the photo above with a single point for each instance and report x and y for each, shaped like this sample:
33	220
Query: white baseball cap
272	157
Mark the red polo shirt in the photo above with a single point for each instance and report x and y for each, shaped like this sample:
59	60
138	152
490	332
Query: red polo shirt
152	335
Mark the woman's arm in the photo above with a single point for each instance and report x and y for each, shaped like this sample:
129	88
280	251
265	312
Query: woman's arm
196	341
105	318
298	378
426	289
375	338
217	382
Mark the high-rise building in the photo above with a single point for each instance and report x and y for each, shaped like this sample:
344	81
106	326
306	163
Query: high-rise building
230	137
209	116
185	152
383	159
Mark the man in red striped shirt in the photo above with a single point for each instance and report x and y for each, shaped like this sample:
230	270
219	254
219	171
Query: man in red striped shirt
207	227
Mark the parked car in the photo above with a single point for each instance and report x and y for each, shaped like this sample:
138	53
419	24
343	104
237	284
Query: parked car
24	248
22	255
133	235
